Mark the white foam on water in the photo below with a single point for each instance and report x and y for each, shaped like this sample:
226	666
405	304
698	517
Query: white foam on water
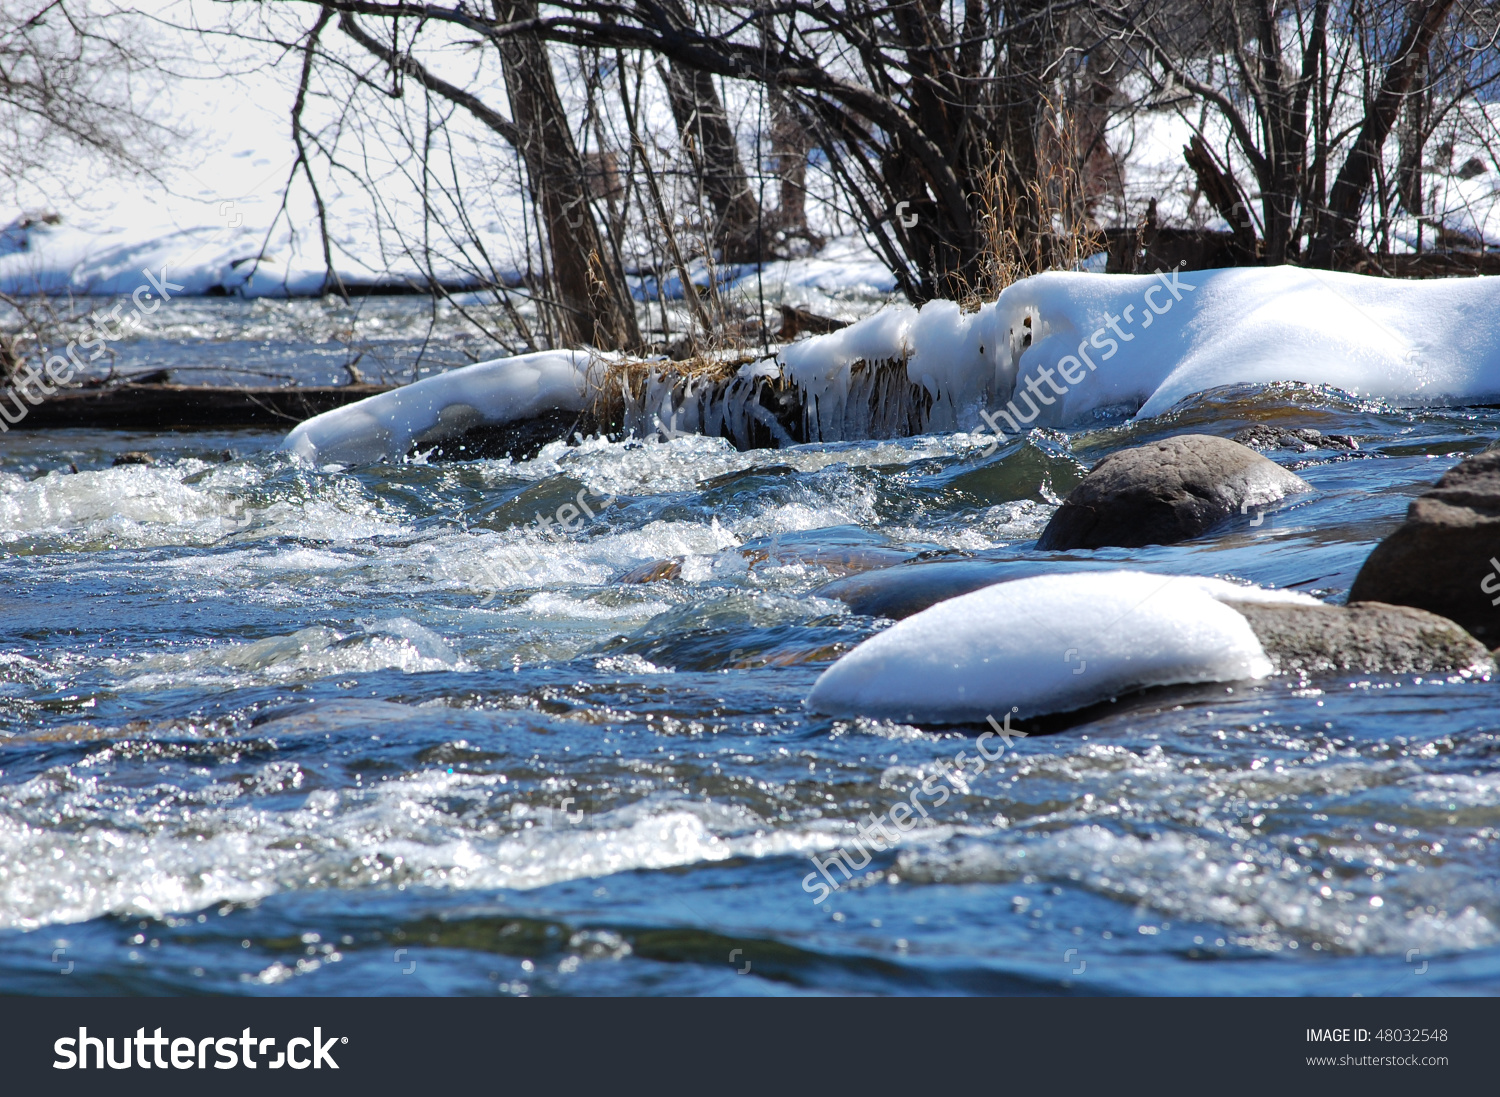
395	644
129	854
139	506
133	505
547	605
1268	897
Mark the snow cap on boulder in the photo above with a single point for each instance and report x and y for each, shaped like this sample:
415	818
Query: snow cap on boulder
1047	644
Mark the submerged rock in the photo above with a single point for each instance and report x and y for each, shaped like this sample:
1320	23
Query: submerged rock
1369	637
898	592
653	571
1446	556
1165	492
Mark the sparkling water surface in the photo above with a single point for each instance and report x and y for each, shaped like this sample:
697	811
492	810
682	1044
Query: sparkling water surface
269	729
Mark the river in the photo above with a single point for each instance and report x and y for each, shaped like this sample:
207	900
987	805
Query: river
270	729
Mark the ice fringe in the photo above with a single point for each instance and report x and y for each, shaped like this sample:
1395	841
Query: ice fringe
1061	345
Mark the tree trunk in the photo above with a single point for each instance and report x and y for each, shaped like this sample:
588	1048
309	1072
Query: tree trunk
1410	139
1029	56
1224	194
1353	183
1103	176
715	153
592	295
789	149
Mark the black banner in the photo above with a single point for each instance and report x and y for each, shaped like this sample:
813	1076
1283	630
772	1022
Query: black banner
382	1045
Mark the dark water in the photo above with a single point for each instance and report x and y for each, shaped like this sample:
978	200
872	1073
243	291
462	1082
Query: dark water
265	730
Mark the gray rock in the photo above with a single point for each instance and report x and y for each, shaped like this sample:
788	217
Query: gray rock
1165	492
1301	439
906	589
1368	638
1446	556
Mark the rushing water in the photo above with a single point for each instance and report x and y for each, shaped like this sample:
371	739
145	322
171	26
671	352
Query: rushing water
271	729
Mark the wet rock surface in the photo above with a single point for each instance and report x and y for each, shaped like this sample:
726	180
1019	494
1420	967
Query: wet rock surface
1446	556
653	571
1165	492
1301	439
1369	638
899	592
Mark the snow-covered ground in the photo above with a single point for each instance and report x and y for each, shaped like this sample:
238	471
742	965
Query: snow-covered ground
85	227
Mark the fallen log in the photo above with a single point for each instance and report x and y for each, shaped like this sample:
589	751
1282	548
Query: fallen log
189	407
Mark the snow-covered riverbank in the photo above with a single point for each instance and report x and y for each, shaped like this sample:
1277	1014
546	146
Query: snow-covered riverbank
1050	352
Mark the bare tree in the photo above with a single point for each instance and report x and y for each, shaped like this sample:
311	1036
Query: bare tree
75	86
710	142
73	79
591	295
915	104
949	130
1309	93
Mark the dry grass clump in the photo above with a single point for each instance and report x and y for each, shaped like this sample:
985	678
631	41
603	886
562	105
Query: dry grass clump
616	382
1044	225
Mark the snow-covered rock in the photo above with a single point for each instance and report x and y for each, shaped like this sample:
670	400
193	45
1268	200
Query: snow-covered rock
503	391
1053	643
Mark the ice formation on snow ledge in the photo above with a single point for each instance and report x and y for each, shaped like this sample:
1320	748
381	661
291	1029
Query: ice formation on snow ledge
1051	349
1051	643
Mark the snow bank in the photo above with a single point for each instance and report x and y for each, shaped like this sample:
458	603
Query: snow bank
1052	643
1407	342
502	391
1048	352
66	258
1057	346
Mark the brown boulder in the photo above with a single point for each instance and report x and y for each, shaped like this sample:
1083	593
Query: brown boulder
1368	638
1165	492
1446	556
